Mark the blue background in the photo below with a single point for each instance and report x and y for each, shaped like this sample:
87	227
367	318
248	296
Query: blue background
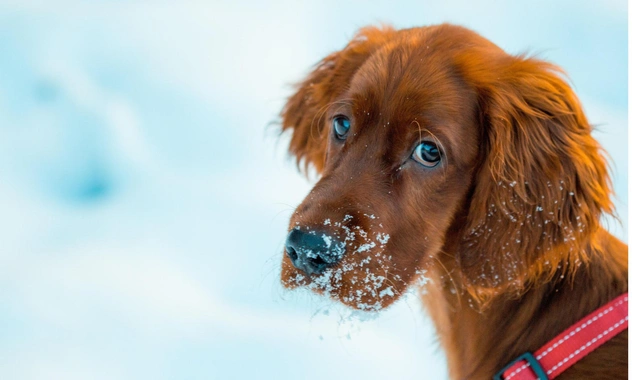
144	195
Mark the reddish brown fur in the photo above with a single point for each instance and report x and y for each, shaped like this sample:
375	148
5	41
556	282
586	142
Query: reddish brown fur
507	228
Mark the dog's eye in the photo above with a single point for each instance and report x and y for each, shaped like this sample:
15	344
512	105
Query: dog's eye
341	127
427	154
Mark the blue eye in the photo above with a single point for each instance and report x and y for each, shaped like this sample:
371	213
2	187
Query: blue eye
427	154
341	126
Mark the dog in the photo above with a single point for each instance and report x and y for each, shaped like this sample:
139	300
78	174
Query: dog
444	160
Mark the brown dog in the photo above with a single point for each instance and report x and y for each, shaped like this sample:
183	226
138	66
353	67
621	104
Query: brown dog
444	158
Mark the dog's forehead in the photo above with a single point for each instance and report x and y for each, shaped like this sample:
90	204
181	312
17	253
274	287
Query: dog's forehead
408	75
408	88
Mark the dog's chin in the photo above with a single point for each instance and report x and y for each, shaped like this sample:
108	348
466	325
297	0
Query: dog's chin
358	290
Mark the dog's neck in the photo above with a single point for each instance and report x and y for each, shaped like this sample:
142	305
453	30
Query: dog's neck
478	342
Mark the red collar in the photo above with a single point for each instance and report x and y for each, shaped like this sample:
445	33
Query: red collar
571	345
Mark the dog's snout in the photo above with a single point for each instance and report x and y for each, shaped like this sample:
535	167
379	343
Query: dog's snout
312	251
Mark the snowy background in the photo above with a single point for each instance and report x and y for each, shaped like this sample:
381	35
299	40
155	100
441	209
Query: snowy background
144	199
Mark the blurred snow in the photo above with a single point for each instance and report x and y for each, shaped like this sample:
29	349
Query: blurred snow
145	194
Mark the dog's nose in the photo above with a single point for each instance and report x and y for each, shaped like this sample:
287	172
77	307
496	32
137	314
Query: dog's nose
312	252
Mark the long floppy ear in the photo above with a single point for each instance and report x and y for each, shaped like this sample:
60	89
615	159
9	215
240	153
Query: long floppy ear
543	184
304	110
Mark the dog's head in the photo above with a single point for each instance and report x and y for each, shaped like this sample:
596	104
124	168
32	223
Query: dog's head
434	142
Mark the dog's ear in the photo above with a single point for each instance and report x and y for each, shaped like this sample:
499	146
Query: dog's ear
303	113
543	184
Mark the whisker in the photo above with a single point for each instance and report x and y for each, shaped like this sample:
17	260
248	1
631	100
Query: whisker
275	262
438	142
456	288
323	110
290	209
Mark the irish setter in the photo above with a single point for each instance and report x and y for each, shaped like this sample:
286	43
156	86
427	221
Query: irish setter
444	159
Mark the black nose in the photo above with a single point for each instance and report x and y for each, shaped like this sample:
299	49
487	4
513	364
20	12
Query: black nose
313	251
